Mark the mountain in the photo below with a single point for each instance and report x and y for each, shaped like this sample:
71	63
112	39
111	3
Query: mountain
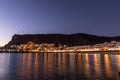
63	39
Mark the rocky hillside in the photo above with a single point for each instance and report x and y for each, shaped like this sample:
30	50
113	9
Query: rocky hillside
63	39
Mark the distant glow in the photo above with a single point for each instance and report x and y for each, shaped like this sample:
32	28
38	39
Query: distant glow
5	36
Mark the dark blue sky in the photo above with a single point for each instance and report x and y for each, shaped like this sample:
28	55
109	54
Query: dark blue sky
99	17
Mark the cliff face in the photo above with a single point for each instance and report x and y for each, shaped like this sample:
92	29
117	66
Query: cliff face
64	39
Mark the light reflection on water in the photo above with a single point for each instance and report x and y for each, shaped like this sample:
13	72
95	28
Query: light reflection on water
59	66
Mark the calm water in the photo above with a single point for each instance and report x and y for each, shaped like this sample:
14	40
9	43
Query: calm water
59	66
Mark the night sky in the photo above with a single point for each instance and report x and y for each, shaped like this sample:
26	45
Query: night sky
99	17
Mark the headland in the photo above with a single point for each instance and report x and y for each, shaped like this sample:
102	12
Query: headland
79	42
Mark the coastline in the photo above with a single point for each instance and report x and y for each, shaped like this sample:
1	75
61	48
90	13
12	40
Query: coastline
100	52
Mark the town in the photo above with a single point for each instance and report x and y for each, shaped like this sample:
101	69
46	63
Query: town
44	47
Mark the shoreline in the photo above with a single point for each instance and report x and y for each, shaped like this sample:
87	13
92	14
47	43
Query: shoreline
62	52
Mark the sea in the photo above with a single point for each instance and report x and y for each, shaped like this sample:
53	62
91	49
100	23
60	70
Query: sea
60	66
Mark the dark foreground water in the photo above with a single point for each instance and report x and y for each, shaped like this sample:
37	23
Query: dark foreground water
59	66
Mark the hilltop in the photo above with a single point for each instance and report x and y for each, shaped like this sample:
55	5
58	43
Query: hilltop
61	39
